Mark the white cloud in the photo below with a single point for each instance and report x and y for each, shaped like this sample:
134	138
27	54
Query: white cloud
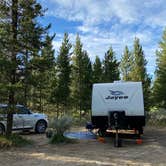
124	20
93	12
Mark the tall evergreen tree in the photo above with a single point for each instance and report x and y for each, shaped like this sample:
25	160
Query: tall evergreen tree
17	40
160	81
9	43
110	67
41	76
86	82
63	68
138	71
81	77
126	64
76	73
97	70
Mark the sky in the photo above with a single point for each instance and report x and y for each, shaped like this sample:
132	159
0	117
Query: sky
105	23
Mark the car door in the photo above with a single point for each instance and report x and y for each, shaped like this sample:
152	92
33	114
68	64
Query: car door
3	114
26	118
17	119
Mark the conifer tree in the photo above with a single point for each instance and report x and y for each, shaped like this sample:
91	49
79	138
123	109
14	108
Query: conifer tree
138	71
86	82
97	70
81	77
126	64
21	38
63	69
160	81
41	76
76	73
110	67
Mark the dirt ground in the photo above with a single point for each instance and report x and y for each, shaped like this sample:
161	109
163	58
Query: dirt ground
90	152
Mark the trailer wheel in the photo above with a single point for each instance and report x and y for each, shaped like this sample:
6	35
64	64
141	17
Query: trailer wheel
140	131
102	132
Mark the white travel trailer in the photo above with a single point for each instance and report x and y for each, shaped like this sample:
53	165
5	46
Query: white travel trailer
118	105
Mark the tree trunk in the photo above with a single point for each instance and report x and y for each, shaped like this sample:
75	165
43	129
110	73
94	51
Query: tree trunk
40	91
80	112
10	113
25	79
13	71
57	110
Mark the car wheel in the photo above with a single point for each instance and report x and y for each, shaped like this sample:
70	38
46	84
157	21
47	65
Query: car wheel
41	126
2	129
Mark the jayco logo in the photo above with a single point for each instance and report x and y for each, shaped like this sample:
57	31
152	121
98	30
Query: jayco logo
116	95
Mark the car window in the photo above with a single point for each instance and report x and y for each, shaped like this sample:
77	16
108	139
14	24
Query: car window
22	110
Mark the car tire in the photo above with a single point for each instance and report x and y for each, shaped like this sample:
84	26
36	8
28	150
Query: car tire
41	126
2	129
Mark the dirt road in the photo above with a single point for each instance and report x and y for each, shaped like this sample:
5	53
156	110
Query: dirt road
90	152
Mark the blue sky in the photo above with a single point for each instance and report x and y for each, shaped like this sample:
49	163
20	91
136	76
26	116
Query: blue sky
105	23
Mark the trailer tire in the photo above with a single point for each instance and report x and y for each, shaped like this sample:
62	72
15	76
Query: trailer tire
140	131
102	132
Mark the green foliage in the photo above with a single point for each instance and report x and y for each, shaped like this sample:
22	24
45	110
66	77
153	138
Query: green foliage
57	129
18	140
159	88
97	71
13	140
61	125
61	90
110	67
41	75
139	73
126	64
21	40
81	77
157	117
4	142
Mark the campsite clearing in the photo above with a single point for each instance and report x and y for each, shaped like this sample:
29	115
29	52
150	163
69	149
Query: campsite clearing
90	152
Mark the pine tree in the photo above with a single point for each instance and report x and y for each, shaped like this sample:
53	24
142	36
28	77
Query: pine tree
139	73
9	43
21	37
31	37
76	73
160	81
41	76
86	82
63	70
126	64
97	71
110	67
81	77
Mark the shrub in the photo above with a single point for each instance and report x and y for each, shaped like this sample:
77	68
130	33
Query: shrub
57	129
13	140
157	117
4	142
18	140
61	125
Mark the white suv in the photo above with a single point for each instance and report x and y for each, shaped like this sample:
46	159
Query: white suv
23	119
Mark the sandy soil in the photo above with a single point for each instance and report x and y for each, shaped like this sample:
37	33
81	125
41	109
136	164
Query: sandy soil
90	152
